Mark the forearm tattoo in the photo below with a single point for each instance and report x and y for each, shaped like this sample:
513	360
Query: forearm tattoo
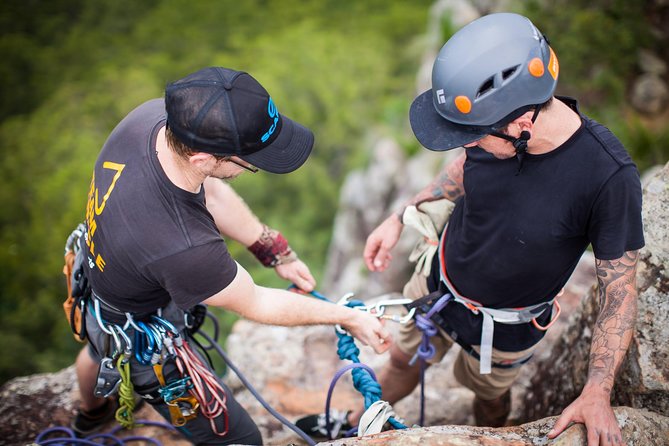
615	324
448	184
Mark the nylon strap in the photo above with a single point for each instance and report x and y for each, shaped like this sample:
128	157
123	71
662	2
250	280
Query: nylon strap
510	316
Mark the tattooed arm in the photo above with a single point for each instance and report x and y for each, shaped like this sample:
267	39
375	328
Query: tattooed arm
448	184
610	338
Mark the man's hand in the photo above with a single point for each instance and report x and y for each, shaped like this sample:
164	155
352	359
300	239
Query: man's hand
379	243
298	273
592	408
369	330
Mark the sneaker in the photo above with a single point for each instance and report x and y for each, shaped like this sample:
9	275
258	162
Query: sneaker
86	423
314	425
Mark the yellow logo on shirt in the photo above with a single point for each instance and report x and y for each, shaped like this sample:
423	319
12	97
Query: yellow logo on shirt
96	206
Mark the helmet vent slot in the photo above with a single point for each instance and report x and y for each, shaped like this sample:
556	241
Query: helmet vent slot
509	72
485	87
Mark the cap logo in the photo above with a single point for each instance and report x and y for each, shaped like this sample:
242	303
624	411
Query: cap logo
463	104
441	98
274	115
553	65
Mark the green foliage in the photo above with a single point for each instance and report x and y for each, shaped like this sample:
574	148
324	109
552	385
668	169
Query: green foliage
597	44
72	69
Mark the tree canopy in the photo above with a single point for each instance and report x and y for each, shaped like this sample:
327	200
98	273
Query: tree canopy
73	68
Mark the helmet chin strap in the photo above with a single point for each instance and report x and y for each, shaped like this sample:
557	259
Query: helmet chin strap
519	143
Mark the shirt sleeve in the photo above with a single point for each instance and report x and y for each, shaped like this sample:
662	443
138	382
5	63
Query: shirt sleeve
615	223
195	274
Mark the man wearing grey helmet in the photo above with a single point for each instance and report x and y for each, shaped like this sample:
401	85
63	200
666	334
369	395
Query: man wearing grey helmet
537	183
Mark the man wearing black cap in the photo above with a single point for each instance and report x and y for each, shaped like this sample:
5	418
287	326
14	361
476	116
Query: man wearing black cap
537	183
154	219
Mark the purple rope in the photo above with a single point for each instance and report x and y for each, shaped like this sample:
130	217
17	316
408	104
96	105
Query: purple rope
338	375
72	438
426	350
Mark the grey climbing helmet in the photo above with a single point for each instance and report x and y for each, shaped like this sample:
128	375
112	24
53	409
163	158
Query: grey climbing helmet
490	72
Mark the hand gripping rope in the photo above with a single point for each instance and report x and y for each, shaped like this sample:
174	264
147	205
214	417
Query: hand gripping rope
364	379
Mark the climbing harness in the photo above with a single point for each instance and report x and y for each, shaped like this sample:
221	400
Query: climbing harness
172	392
490	316
157	341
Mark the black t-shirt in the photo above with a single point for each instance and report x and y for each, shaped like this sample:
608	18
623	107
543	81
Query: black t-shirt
514	240
148	240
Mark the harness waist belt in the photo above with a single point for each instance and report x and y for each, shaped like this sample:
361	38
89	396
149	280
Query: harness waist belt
117	316
510	316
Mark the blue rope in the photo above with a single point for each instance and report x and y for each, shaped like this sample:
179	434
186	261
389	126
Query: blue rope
363	381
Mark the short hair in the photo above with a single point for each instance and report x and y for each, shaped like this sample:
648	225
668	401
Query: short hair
184	151
174	143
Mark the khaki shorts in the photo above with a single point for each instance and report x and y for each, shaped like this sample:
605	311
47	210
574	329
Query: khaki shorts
466	367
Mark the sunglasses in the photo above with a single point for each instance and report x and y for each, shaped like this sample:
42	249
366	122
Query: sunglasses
248	167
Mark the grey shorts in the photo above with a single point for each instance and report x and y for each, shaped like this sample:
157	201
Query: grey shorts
241	428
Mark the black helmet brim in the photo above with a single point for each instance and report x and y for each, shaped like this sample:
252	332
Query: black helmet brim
434	131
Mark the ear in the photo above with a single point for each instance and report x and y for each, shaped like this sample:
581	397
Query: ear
523	123
201	159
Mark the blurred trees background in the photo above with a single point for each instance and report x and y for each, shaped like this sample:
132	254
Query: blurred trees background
71	69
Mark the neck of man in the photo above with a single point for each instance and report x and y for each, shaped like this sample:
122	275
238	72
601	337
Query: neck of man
178	170
553	127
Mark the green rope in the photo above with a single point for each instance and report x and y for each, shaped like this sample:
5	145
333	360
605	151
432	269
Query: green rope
126	396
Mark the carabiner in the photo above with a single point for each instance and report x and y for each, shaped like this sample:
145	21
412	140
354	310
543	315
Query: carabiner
380	308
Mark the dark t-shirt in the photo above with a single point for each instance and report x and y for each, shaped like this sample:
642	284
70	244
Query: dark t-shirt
148	240
514	240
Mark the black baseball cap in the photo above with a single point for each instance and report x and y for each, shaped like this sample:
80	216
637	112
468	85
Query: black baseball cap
227	112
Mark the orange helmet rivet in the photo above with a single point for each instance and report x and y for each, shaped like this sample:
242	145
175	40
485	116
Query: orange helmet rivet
536	67
463	104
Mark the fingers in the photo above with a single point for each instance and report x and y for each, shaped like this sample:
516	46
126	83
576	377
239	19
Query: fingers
384	340
298	273
382	259
369	331
377	256
380	242
305	281
369	254
561	424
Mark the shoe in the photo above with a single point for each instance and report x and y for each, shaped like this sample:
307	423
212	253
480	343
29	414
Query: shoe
492	413
86	423
314	425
